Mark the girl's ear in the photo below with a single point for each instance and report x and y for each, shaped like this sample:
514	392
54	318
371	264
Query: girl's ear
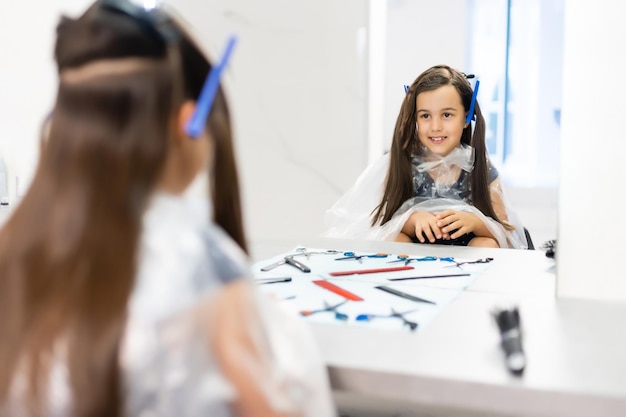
184	115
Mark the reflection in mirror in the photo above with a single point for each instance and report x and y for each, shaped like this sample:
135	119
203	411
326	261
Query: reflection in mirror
490	39
435	185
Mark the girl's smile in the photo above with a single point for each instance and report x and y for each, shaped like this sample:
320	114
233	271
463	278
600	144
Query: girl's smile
438	139
440	119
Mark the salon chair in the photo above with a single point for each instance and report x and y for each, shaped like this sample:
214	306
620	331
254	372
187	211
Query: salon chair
529	240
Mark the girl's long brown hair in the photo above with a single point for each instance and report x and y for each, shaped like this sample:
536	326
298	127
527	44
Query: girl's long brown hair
405	144
68	251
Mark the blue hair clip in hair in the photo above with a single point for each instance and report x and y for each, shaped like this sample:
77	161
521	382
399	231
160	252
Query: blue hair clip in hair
196	123
406	89
470	114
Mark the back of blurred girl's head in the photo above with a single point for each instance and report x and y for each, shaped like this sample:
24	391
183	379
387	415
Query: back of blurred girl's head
185	74
68	252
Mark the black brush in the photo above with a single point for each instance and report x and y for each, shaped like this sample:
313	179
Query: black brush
509	324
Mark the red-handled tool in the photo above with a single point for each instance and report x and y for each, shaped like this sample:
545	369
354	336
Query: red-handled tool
337	290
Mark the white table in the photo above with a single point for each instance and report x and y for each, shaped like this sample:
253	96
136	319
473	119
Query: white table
576	349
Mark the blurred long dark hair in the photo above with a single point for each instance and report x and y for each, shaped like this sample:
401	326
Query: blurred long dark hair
405	144
68	251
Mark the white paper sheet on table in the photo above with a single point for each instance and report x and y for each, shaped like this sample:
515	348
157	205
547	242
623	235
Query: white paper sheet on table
302	294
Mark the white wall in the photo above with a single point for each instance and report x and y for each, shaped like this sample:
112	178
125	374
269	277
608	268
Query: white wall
420	34
27	79
591	216
298	92
296	84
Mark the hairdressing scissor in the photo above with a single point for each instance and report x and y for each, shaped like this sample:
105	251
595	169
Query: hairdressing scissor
330	308
305	252
352	255
412	325
477	261
407	259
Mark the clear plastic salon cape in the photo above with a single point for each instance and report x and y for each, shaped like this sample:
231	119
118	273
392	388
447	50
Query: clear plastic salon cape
351	215
201	340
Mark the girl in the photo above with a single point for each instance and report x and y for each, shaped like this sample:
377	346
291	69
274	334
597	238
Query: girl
439	186
115	310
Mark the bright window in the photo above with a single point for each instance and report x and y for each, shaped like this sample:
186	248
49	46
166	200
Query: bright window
522	42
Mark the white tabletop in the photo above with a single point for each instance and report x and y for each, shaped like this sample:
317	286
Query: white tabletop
454	366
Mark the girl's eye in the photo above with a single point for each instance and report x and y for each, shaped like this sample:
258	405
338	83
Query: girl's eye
447	115
424	116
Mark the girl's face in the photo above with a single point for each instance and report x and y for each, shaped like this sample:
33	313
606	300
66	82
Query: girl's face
440	119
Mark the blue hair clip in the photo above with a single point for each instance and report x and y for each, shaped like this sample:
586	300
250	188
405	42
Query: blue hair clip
195	125
470	114
406	89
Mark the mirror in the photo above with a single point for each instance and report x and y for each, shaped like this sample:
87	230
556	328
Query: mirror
316	89
492	38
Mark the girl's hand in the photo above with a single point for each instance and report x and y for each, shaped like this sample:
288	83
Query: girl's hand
457	223
423	225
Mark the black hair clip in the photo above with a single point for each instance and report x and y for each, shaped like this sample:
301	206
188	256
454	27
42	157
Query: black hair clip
468	76
154	20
